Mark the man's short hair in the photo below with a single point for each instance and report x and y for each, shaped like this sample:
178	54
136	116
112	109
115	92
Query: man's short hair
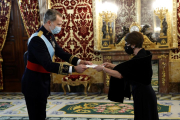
51	15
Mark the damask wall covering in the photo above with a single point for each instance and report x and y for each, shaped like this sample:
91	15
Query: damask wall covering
126	13
76	36
147	13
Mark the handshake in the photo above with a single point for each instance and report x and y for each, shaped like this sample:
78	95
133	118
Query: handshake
83	65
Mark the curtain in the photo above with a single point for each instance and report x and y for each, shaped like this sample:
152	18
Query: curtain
29	10
5	9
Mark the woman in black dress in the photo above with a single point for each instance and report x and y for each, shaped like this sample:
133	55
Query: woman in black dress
136	72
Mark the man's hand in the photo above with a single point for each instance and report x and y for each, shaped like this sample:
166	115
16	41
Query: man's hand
85	62
80	68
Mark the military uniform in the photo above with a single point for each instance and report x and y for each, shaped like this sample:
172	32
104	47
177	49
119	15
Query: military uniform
36	78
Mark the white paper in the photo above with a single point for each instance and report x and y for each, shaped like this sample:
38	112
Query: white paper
91	66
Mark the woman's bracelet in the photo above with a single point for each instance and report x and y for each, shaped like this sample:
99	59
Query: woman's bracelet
104	69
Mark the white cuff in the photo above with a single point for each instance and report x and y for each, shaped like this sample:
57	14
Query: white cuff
78	61
70	69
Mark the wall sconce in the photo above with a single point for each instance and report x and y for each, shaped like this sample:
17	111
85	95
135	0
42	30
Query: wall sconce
108	15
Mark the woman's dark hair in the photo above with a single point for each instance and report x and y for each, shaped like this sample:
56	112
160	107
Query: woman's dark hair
135	38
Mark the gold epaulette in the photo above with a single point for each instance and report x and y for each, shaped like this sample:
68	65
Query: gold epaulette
40	33
70	59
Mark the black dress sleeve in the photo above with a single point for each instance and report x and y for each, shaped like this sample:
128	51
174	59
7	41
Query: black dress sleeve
137	70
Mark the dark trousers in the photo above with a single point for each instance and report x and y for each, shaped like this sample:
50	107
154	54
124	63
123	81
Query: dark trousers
36	107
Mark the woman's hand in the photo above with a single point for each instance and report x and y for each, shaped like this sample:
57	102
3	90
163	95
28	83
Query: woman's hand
99	68
108	65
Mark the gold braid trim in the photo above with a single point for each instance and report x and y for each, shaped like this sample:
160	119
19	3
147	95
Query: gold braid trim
40	33
71	58
60	69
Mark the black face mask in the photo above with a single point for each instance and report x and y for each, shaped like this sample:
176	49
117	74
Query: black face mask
128	49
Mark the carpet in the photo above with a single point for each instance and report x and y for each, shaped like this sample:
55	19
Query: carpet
89	109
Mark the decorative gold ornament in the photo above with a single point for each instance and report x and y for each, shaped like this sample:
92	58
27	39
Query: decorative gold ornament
135	27
163	41
146	44
70	82
108	57
107	80
161	13
108	17
105	44
162	56
114	108
163	73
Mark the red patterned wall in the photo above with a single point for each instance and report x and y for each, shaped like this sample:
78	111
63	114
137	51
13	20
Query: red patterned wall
76	36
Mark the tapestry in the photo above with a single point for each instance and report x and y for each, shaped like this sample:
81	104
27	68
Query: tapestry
127	13
88	108
76	36
5	9
29	10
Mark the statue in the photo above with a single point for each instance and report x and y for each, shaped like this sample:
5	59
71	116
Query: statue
121	35
104	30
144	29
110	30
165	27
149	35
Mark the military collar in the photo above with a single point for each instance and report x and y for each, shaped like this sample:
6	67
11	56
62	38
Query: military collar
46	33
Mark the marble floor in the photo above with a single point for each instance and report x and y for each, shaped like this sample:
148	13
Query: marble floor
80	96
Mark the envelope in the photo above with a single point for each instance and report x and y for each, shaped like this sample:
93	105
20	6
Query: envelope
91	66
